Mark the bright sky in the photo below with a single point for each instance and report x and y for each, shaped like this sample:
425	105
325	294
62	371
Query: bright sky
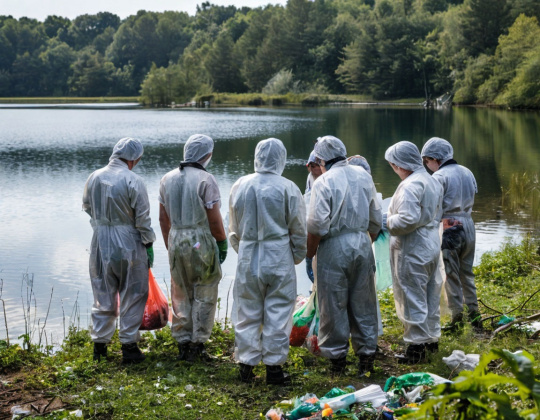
40	9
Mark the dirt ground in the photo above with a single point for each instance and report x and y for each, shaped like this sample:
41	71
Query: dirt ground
14	395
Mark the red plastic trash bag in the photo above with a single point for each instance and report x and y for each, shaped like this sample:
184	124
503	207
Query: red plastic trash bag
312	338
302	318
156	311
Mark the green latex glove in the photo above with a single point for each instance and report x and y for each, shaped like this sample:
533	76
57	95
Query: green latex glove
150	253
222	247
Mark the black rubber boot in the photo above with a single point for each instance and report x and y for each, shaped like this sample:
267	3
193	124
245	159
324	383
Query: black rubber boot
338	365
365	364
131	353
183	350
475	318
276	376
455	325
246	373
100	350
196	352
432	347
414	354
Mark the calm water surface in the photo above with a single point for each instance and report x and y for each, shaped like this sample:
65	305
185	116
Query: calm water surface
46	156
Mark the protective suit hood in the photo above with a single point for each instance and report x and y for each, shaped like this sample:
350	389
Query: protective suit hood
128	149
439	149
360	161
405	155
270	156
197	147
329	147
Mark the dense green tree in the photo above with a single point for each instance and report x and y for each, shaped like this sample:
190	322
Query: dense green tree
210	14
92	74
5	83
56	64
223	67
174	33
527	7
524	90
482	22
149	38
512	50
85	28
269	58
477	71
26	75
53	24
330	53
382	48
7	52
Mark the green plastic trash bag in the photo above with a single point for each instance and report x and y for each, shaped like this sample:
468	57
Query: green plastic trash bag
381	250
409	379
336	392
303	410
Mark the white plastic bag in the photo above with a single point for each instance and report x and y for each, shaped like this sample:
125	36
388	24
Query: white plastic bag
459	361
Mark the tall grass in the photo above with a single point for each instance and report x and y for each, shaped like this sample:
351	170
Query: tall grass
522	196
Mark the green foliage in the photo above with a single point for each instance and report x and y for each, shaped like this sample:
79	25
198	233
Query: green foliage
385	49
282	83
14	357
478	394
478	70
524	90
512	50
512	261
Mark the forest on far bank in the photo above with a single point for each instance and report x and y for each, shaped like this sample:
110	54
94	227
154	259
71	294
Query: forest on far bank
481	51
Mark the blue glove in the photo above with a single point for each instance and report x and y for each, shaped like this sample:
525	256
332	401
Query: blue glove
384	221
309	269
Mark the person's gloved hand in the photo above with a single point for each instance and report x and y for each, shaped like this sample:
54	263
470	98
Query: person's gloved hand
222	247
309	269
384	221
150	254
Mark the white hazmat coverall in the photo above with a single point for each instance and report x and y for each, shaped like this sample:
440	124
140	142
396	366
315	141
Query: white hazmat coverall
193	254
343	208
117	201
459	188
413	221
267	228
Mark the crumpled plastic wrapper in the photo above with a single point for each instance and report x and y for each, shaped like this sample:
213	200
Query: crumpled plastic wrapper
459	361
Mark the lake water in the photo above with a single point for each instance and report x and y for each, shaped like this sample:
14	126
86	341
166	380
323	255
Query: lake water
46	156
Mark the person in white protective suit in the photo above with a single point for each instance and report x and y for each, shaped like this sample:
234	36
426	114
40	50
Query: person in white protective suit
459	188
361	161
194	235
342	211
267	228
413	221
121	250
314	170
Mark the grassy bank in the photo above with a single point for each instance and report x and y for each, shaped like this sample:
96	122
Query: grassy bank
227	99
306	99
162	387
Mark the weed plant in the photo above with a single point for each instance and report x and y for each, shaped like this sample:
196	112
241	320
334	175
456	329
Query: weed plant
163	387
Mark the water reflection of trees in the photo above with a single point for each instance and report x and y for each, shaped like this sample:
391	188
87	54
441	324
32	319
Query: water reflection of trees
494	144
